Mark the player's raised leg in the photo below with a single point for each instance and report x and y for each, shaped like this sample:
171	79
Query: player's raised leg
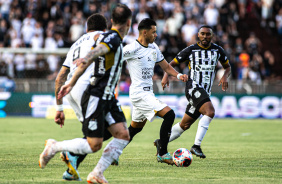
77	146
48	153
74	160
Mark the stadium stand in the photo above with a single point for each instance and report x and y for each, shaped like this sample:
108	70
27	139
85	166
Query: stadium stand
34	35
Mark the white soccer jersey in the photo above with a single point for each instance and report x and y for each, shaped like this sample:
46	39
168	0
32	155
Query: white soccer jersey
141	61
78	50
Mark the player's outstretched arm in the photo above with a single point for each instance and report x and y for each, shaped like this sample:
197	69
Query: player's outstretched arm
183	77
100	50
60	118
60	80
165	81
224	79
168	68
65	89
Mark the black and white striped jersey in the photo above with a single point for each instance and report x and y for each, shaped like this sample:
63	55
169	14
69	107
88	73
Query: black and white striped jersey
108	67
202	63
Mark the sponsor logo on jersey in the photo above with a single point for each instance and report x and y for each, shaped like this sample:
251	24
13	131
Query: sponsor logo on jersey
109	37
154	54
192	110
92	124
197	94
205	68
126	53
136	50
147	73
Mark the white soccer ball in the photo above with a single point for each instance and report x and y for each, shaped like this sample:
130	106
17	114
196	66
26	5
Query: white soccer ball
182	157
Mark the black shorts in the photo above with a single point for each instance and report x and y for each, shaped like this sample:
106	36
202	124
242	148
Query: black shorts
99	114
196	97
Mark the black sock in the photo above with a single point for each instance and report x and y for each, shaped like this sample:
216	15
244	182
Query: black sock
165	131
80	159
133	132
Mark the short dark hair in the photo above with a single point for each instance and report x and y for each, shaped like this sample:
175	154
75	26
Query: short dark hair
146	24
121	13
205	26
96	22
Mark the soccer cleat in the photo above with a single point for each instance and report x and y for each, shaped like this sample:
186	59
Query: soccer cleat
70	177
196	150
71	162
166	158
96	178
115	162
47	154
158	145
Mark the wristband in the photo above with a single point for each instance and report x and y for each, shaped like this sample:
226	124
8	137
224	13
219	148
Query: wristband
59	107
178	75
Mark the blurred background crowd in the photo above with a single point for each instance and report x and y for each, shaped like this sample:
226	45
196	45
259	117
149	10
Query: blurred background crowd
250	31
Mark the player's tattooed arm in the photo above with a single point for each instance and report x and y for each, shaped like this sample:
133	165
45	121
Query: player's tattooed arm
100	50
60	80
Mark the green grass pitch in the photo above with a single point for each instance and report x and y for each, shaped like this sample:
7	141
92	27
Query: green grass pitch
238	151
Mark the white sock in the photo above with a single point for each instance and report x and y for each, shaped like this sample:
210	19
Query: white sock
202	129
176	132
111	152
77	146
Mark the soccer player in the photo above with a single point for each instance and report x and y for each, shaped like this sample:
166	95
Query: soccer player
203	58
98	101
141	57
96	24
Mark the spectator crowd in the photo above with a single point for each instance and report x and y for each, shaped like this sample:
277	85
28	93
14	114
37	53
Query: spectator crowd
52	24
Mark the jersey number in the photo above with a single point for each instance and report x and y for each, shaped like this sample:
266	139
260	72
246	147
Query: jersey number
76	54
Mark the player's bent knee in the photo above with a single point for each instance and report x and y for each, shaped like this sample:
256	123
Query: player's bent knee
138	124
186	126
95	144
211	114
96	147
122	135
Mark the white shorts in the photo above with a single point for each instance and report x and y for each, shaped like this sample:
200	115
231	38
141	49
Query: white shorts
74	99
146	107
